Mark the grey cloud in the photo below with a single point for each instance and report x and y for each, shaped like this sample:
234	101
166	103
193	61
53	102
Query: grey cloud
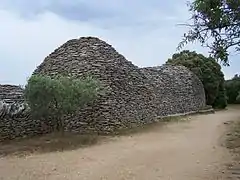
73	10
105	13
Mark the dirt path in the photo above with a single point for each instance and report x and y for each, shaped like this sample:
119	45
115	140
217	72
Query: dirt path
178	151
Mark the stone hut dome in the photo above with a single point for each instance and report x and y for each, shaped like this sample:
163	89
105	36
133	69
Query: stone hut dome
178	89
131	97
136	96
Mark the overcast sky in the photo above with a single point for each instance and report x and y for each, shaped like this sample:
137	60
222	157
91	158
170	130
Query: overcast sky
145	32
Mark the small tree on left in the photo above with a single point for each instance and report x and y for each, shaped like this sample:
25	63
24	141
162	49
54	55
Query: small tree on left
56	97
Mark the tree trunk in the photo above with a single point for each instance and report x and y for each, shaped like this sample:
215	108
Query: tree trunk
60	122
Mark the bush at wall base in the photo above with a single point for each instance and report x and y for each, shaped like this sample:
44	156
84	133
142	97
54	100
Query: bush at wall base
55	97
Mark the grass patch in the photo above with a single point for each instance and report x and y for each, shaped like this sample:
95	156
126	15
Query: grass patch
47	143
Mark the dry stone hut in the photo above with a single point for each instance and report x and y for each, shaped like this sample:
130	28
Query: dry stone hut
130	98
135	96
178	90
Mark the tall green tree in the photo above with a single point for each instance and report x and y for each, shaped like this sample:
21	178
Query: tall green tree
215	24
233	90
208	71
238	98
53	98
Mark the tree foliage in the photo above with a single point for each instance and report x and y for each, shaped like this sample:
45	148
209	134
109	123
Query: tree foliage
53	98
238	98
208	71
216	24
233	89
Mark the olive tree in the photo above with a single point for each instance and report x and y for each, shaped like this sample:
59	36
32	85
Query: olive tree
55	97
215	24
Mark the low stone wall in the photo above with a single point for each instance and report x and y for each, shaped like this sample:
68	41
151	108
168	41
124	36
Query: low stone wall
135	96
15	120
11	101
18	127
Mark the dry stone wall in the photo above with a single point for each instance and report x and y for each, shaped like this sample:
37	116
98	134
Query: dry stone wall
15	120
178	89
11	101
135	96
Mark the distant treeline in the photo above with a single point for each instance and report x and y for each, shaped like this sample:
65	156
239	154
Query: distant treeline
233	90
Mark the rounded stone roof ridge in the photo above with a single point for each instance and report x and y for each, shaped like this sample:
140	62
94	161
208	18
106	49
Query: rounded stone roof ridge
89	40
134	96
91	55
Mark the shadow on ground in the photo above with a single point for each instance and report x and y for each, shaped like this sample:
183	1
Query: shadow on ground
47	143
58	142
233	144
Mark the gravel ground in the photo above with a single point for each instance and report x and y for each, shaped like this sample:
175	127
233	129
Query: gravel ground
189	150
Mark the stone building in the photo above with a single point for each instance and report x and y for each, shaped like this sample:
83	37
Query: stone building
134	96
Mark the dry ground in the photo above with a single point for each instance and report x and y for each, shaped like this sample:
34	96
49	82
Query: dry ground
189	150
233	144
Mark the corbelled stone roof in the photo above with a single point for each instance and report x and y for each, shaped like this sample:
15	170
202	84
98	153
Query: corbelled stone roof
178	89
130	96
135	96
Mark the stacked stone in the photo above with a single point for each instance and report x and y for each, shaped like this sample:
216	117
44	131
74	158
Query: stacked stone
14	115
129	100
11	101
178	89
134	96
11	93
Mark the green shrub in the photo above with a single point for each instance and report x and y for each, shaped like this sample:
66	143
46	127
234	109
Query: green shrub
53	98
221	99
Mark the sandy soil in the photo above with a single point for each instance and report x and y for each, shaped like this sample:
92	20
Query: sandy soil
178	151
